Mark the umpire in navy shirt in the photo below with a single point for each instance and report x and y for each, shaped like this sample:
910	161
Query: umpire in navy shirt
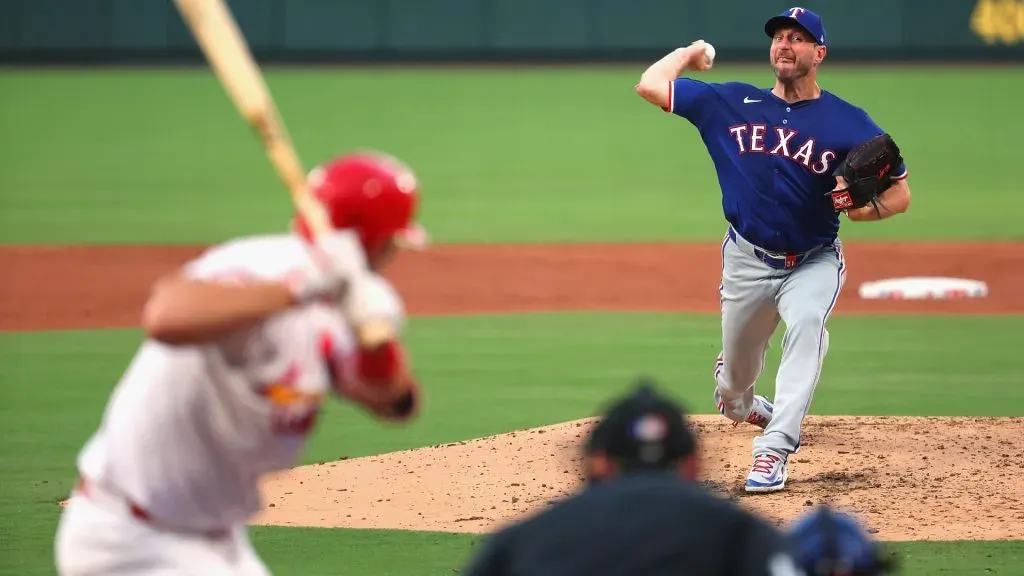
642	511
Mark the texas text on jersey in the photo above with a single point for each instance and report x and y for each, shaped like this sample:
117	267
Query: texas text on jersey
774	159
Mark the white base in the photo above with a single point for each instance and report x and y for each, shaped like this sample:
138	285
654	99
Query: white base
923	287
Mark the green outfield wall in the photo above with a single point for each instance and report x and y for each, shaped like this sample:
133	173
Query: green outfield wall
125	31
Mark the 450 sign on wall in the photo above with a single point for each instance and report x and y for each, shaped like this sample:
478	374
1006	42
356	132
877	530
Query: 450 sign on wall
999	21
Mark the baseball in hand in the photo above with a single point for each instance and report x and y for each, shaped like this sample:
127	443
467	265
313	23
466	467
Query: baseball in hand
709	53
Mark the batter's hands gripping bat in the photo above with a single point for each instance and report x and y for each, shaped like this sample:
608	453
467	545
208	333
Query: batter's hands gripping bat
221	41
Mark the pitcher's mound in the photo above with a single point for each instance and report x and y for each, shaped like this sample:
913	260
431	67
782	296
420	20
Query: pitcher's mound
906	478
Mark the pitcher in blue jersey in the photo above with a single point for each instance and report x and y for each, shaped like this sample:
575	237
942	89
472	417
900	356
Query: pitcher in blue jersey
775	151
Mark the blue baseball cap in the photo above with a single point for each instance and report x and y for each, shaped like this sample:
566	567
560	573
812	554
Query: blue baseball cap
833	543
802	17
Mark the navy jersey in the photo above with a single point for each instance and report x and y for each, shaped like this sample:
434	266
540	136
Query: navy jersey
775	159
652	524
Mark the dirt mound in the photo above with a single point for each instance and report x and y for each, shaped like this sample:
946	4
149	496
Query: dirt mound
907	478
910	478
55	287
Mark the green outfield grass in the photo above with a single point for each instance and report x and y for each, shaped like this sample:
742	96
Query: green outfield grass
381	553
487	375
505	155
554	154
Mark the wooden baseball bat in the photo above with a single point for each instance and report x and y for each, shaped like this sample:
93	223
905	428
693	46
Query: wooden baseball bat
228	53
225	48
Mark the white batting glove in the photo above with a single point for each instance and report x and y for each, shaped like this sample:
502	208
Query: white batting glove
373	299
337	261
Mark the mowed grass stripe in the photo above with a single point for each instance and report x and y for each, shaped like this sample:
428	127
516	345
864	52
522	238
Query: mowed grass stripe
510	155
327	552
491	374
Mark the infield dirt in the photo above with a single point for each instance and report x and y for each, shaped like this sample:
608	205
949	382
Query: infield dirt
960	481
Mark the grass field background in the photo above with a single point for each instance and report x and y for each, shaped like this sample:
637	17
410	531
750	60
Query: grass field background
511	155
505	155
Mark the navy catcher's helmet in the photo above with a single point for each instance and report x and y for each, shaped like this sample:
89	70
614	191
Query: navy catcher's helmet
829	543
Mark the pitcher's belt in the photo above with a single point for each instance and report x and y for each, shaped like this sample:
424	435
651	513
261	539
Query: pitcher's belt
779	261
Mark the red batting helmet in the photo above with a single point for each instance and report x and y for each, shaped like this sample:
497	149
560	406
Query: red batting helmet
369	192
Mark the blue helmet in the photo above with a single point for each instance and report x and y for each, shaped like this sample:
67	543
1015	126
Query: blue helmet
829	543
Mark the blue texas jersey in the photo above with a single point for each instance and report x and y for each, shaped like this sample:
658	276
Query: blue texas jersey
774	159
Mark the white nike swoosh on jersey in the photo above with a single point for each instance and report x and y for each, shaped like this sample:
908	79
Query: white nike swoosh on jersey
747	100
